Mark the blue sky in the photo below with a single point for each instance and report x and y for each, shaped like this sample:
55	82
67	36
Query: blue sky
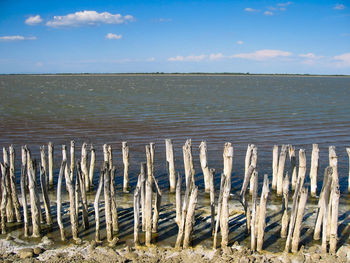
175	36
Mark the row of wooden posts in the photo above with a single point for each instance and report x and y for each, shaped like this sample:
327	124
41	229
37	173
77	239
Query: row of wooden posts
79	180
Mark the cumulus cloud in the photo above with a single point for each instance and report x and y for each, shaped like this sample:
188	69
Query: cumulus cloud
88	18
343	59
191	58
217	56
16	38
310	56
248	9
339	7
263	54
285	4
113	36
268	13
240	42
33	20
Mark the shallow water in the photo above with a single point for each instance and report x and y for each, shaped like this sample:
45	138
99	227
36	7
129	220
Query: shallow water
264	110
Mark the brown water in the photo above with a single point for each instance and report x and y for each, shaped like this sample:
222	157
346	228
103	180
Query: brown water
264	110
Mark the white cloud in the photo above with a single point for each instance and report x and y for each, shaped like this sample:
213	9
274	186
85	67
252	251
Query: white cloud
33	20
339	7
217	56
283	8
343	59
113	36
14	38
240	42
248	9
191	58
151	59
285	4
88	18
164	20
263	54
268	13
310	56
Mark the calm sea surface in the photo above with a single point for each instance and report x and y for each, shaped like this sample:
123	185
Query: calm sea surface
264	110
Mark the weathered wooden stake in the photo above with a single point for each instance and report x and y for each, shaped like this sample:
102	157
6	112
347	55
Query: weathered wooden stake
84	168
204	165
92	165
186	149
253	162
148	213
212	199
45	194
284	227
96	202
178	200
115	222
4	170
170	164
218	216
50	150
254	215
72	159
149	164
143	193
59	201
280	172
125	149
325	201
299	220
190	217
262	214
137	212
293	165
156	209
348	152
314	169
82	186
274	166
108	212
14	194
225	214
10	214
334	218
242	195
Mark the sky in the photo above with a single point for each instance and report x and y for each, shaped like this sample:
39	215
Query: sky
82	36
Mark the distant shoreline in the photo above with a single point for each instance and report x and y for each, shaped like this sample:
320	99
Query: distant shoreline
173	74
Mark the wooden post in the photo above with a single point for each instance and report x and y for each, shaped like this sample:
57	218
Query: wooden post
254	160
96	202
92	166
107	196
293	165
280	172
84	168
247	160
50	150
302	166
190	217
262	214
149	164
72	159
314	169
45	196
348	152
106	155
285	206
299	219
254	216
70	188
9	206
152	149
186	149
82	185
4	170
212	198
180	233
14	194
225	213
77	196
115	223
178	200
242	195
325	201
156	209
170	164
188	145
334	219
274	166
204	165
228	161
218	216
125	149
24	199
143	194
137	212
333	162
327	180
148	212
110	157
59	201
34	200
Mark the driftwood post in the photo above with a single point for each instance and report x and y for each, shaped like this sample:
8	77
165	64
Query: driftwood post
284	226
187	155
59	201
92	165
254	216
212	199
314	169
10	215
114	202
247	160
204	165
148	212
262	213
348	152
334	219
72	159
50	150
4	170
293	165
218	216
253	162
280	172
143	194
45	196
84	168
170	164
82	185
178	200
149	164
190	217
137	212
299	220
156	209
96	207
110	156
16	203
125	149
108	212
274	166
23	191
242	195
